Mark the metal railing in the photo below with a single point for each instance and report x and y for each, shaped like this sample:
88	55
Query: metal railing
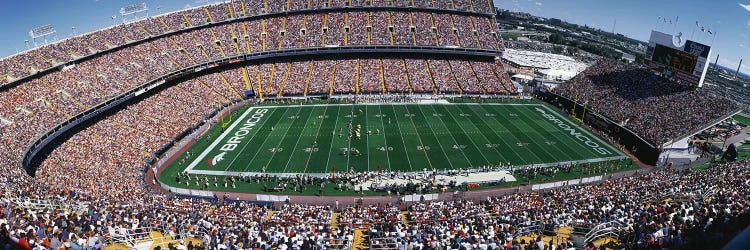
383	243
608	229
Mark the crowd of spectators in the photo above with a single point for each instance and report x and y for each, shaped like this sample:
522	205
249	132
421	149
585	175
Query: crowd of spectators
654	107
383	75
711	212
293	31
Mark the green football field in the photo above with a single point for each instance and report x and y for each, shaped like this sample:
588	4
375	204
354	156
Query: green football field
319	139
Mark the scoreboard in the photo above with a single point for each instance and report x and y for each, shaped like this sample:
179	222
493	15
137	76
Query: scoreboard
683	59
675	59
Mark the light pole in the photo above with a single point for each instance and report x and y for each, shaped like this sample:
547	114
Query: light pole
74	30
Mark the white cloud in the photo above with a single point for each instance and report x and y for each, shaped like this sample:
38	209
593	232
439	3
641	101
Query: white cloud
538	3
745	6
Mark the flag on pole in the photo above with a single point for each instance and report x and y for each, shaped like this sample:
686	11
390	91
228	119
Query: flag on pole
697	24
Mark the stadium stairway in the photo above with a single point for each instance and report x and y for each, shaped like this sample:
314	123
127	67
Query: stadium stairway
405	218
603	243
160	240
155	239
361	239
562	234
270	214
335	220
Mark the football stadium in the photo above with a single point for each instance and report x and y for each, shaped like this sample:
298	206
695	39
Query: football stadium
377	124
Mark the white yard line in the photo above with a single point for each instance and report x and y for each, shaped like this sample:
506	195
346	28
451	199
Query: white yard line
419	137
385	140
514	137
485	136
467	135
471	164
299	137
330	149
218	140
408	159
367	125
442	149
284	136
561	139
244	146
487	123
264	142
586	131
317	133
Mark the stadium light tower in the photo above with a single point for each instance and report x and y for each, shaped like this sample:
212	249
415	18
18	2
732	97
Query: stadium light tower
41	32
132	10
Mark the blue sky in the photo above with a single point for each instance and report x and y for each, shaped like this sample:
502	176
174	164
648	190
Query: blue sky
17	17
730	19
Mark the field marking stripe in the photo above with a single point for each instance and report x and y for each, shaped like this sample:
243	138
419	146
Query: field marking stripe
242	150
530	122
434	135
218	140
385	139
349	140
466	134
228	173
562	138
500	137
419	137
264	142
317	133
299	136
474	124
411	139
403	141
512	134
367	125
452	137
438	138
330	149
286	132
596	137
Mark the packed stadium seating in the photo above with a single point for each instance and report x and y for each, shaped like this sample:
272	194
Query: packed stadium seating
636	202
656	108
96	177
379	27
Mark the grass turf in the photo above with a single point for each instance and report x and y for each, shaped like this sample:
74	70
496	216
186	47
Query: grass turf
411	138
742	119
